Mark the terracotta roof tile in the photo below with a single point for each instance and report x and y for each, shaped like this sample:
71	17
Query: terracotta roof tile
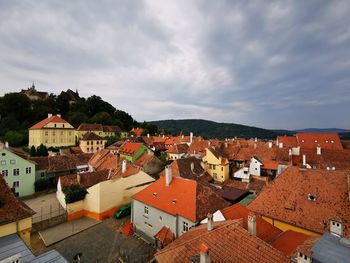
326	141
12	209
165	236
288	141
227	242
46	121
264	230
90	127
178	148
91	136
287	199
111	128
87	179
288	242
130	148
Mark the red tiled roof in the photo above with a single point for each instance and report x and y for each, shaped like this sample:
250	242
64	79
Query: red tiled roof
288	241
288	141
111	128
130	148
76	149
287	199
12	209
184	197
326	140
46	121
137	131
270	165
144	159
264	230
87	179
91	136
178	148
165	236
129	171
227	242
90	127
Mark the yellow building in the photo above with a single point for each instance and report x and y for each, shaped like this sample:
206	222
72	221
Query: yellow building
52	132
15	216
217	165
98	129
91	143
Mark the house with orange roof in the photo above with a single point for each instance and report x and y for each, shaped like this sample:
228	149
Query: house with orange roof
177	151
324	140
137	131
308	201
217	164
175	202
132	150
52	132
107	190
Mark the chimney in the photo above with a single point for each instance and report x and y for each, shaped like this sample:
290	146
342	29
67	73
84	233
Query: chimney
280	144
78	177
226	144
191	137
336	226
290	152
252	224
163	136
6	144
254	145
318	150
59	115
168	176
270	144
304	160
123	166
183	136
49	115
147	135
192	167
204	256
208	143
210	222
256	139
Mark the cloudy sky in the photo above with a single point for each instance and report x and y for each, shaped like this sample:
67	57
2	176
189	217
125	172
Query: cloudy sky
272	64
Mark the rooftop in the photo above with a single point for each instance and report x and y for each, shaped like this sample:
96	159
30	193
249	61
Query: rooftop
44	122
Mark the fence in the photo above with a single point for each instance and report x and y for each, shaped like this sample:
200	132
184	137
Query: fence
48	212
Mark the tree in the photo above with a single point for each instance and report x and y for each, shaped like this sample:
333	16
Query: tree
14	138
102	118
42	150
32	151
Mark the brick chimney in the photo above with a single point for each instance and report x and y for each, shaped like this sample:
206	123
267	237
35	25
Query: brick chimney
304	160
59	115
252	223
280	144
204	256
49	115
191	137
210	222
168	175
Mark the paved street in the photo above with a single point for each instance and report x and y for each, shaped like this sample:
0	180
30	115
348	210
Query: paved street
45	206
62	231
104	243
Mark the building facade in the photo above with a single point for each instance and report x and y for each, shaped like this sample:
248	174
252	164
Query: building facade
52	132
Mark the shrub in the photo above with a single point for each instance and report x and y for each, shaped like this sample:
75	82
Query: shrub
74	193
41	184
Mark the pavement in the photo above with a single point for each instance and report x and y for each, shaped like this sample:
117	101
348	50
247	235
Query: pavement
45	206
60	232
104	243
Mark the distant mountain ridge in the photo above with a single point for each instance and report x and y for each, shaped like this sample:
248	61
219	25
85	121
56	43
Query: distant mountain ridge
211	129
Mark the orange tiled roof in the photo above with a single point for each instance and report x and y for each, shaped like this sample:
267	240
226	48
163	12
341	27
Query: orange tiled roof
184	197
87	179
12	209
165	236
227	242
270	165
130	148
287	199
137	131
325	140
288	242
264	230
46	121
178	148
288	141
90	127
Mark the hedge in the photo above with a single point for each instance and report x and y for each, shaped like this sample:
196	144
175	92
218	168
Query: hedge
74	193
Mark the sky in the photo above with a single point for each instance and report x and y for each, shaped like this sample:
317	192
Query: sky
270	64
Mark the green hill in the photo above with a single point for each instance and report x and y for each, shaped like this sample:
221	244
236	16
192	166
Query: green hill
211	129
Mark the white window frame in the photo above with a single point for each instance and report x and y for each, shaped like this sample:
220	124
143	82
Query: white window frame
13	161
3	162
28	170
146	210
5	172
16	171
185	226
15	184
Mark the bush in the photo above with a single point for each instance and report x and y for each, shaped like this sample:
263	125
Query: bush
41	184
74	193
14	138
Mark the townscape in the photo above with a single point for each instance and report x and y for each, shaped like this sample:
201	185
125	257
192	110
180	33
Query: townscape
173	198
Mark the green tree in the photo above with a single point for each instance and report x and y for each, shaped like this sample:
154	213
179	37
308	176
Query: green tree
32	151
14	138
42	150
102	117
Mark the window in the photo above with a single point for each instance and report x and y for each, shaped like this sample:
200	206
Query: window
62	125
148	224
97	149
70	132
55	125
16	171
222	168
54	140
15	184
145	210
12	161
87	143
3	162
61	132
53	133
97	142
5	172
28	170
46	133
185	227
46	141
87	149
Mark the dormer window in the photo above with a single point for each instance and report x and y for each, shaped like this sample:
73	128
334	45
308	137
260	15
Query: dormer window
311	197
154	194
332	141
302	141
173	202
315	140
327	141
